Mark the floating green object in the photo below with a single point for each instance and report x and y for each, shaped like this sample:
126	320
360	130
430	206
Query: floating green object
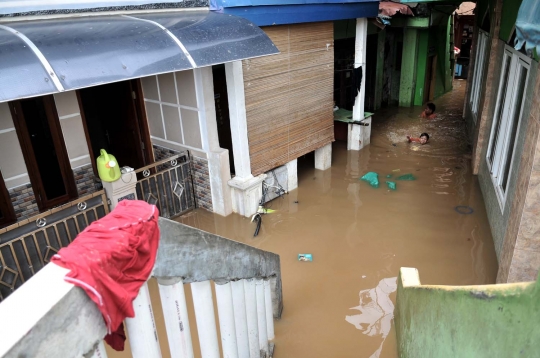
372	178
389	176
391	185
406	177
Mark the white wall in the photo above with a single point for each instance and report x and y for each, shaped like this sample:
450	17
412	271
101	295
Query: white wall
173	112
12	163
70	118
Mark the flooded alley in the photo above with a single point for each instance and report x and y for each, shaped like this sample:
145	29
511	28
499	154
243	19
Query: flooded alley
341	304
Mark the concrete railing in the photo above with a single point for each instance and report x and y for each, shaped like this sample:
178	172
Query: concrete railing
48	317
466	321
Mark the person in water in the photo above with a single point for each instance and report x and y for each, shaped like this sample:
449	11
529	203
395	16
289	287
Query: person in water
429	111
424	138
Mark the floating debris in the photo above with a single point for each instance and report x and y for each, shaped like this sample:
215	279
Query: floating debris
305	257
372	178
406	177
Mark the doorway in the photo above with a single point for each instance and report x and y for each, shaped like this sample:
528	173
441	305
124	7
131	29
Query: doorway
114	119
221	102
44	151
7	214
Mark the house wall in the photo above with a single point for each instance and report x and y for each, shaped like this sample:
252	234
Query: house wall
12	163
499	219
520	258
13	167
69	114
440	39
289	96
180	118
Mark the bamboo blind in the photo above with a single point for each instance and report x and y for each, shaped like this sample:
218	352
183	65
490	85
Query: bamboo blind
289	96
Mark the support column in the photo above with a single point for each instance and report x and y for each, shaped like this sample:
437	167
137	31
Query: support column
355	136
246	189
408	67
237	112
323	157
292	175
122	189
218	158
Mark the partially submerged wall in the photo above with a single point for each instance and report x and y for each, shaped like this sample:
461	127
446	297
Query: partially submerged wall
499	217
466	321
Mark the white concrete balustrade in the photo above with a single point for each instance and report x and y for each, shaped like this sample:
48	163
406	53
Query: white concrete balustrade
246	322
48	317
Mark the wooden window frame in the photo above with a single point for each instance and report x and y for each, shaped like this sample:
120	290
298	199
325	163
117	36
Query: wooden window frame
31	163
5	205
142	120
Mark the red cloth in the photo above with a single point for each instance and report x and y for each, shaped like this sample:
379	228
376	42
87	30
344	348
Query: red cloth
111	259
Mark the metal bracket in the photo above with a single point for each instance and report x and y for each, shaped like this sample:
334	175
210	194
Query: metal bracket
41	222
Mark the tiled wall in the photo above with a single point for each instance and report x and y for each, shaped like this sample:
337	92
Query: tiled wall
23	201
201	177
84	179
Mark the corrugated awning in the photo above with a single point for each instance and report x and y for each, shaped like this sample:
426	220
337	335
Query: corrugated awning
528	26
48	56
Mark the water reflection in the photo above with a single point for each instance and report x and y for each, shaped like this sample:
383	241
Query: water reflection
376	311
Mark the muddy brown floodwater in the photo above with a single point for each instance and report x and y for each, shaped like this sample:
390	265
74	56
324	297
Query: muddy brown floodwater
341	304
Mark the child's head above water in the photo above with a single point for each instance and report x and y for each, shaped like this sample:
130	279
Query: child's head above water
430	108
424	137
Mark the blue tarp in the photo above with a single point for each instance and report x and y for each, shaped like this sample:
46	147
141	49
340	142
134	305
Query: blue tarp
528	26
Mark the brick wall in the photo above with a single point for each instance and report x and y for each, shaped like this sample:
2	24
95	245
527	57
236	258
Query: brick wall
85	180
201	176
23	201
201	179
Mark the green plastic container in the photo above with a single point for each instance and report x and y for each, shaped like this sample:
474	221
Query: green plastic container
108	168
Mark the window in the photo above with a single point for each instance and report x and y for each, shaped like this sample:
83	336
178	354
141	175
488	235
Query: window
482	53
506	120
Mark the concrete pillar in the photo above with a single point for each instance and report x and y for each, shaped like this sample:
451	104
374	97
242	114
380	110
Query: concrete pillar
354	140
246	194
237	113
218	158
323	157
122	189
360	61
292	175
408	67
246	190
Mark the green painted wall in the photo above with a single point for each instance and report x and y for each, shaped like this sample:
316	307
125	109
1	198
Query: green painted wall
421	67
508	18
440	40
467	321
381	38
408	67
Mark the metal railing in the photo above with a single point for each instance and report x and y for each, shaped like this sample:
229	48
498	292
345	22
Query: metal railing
168	185
28	245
